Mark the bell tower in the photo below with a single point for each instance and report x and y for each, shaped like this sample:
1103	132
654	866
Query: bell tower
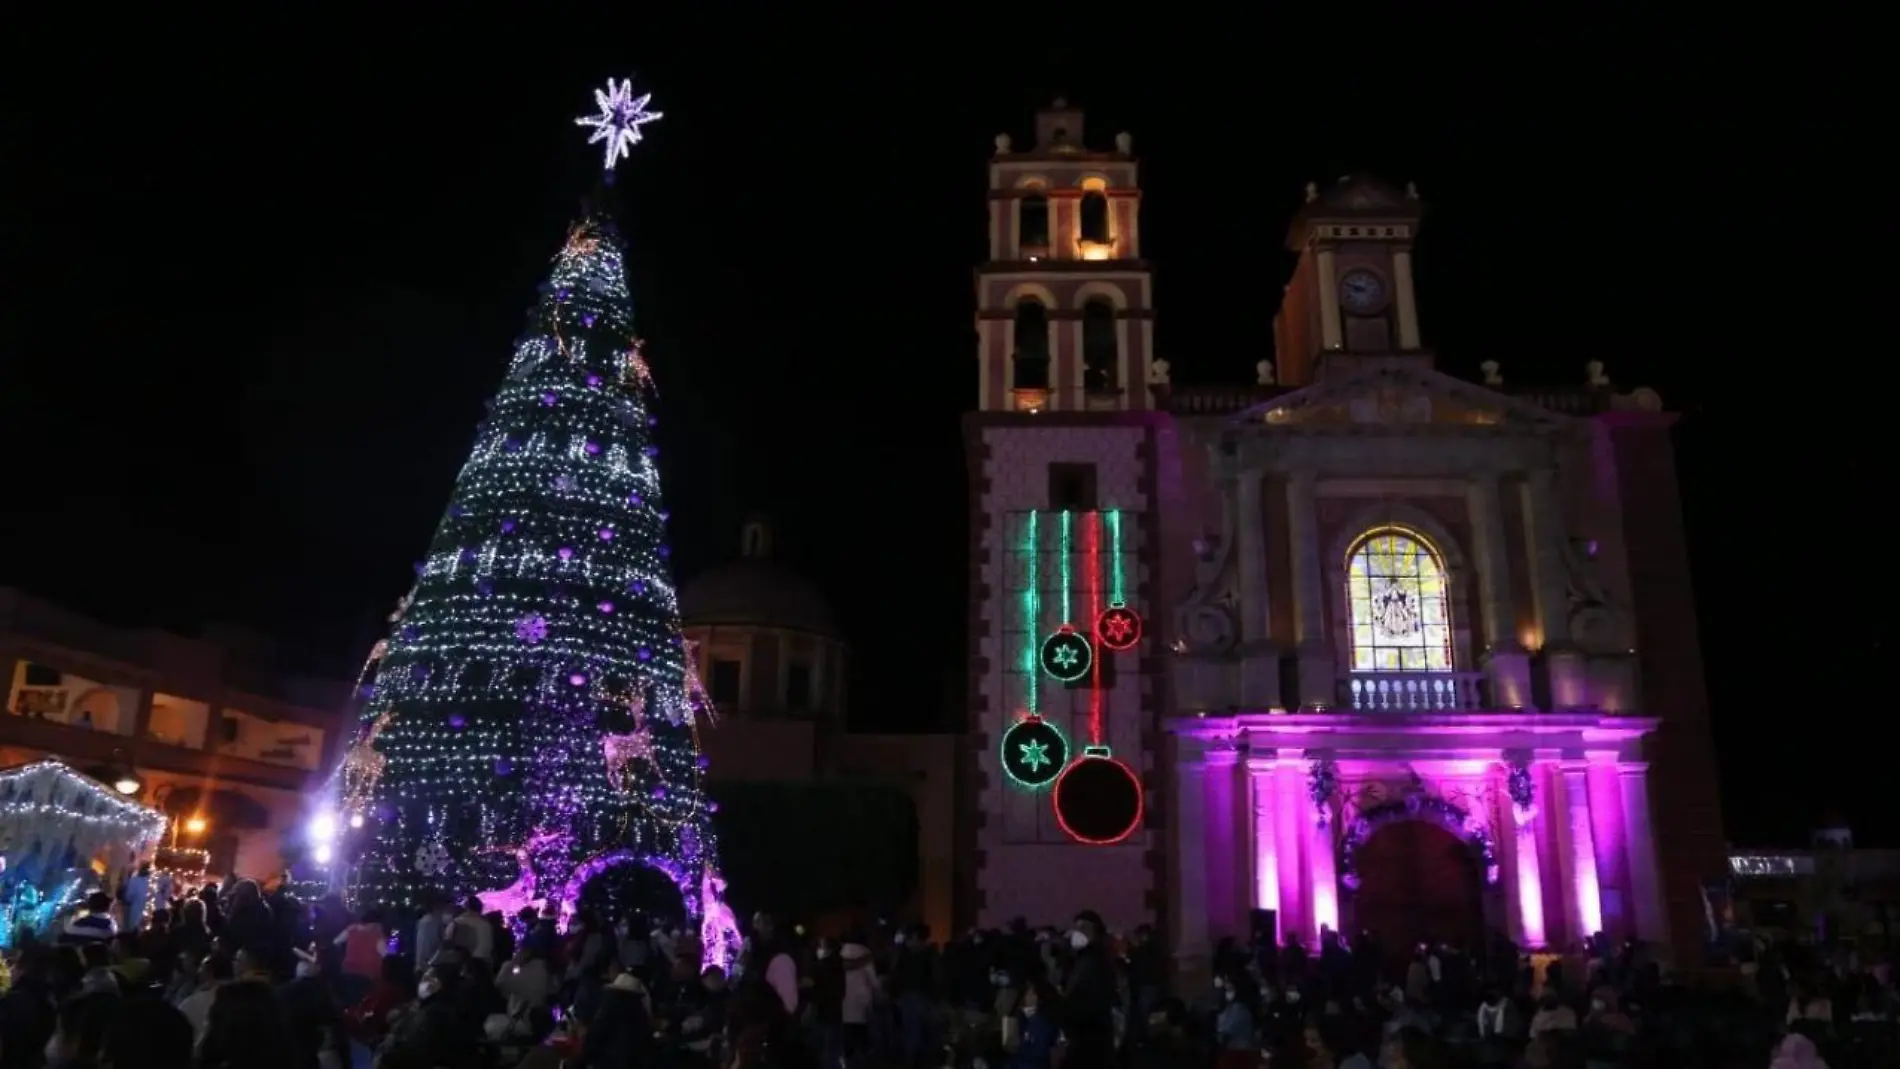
1351	293
1064	314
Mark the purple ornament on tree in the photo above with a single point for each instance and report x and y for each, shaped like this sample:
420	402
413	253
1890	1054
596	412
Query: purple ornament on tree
565	553
664	551
504	767
484	587
593	380
548	398
511	445
635	500
606	534
578	679
593	449
507	527
408	633
652	450
606	607
638	586
643	653
458	721
587	319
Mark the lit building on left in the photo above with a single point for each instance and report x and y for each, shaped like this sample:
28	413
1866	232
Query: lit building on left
204	729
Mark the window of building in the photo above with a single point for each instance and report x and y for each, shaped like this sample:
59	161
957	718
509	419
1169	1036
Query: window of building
1395	583
1032	221
723	684
797	688
1031	371
1072	487
1101	352
1094	217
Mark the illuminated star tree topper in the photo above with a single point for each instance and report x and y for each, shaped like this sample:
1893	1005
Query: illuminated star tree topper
619	120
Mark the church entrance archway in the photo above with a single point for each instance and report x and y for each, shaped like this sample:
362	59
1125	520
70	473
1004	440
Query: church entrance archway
641	889
1418	883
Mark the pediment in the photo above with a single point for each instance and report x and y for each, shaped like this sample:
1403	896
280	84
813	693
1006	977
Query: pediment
1397	397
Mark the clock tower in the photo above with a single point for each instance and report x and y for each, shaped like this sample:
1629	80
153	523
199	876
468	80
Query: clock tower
1351	293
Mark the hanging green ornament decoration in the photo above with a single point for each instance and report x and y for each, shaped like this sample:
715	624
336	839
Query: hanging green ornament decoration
1034	752
1067	655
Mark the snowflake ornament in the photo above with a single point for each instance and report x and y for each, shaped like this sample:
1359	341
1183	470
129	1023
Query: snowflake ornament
619	120
531	629
432	859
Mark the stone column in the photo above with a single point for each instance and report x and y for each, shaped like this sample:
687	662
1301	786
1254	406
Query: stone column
1528	878
1407	303
1259	658
1322	865
1505	663
1295	910
1329	325
1584	895
1646	906
1224	836
1543	517
1318	687
1264	833
1192	939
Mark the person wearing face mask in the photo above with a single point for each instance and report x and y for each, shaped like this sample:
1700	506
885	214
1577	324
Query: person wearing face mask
316	1022
1036	1036
1606	1031
1088	998
1235	1037
827	999
433	1032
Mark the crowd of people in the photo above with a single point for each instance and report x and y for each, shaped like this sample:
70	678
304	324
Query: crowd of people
243	977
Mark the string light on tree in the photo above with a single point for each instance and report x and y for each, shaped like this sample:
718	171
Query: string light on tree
500	752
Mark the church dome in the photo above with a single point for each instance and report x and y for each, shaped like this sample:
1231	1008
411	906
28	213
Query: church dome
755	590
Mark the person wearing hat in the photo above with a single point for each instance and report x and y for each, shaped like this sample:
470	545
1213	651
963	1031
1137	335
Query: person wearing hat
621	1032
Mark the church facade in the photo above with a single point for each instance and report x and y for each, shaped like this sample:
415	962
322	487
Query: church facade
1361	645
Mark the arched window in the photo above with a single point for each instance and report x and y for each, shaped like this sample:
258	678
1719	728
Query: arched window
1032	346
1395	583
1032	221
1094	217
1100	352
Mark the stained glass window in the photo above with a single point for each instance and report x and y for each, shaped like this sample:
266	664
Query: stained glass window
1396	587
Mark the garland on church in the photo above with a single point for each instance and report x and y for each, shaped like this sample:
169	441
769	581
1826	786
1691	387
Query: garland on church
1523	790
1322	780
1453	818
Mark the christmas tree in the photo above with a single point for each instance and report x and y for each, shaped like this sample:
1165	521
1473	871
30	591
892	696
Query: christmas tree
529	724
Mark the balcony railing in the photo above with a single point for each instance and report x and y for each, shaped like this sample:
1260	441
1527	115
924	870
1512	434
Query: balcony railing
1412	692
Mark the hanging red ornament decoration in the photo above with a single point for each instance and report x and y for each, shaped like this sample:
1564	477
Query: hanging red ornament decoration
1118	628
1098	799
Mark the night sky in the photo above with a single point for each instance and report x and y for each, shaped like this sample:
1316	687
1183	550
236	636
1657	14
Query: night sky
259	290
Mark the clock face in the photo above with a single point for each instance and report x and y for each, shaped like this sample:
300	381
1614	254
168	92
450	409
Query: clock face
1361	291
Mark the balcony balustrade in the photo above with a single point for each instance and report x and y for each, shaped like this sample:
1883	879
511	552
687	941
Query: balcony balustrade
1412	692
